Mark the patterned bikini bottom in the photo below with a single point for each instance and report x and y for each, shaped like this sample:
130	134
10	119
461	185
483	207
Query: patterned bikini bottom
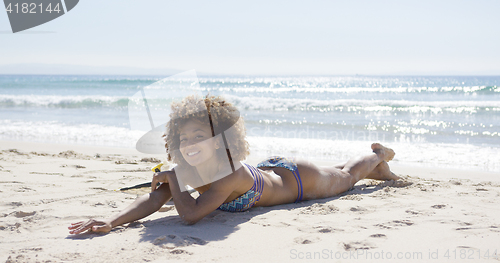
277	161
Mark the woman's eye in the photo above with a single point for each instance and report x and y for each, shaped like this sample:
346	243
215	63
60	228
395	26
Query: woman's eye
196	137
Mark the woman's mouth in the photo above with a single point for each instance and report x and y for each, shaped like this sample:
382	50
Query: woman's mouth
192	153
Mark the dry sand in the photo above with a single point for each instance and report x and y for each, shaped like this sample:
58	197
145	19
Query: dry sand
438	215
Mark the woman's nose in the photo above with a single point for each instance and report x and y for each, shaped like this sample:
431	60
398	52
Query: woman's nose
189	143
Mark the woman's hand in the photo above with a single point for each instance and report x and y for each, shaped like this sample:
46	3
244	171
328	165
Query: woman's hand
101	226
160	177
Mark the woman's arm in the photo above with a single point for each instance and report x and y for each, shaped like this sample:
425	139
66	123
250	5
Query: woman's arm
193	210
140	208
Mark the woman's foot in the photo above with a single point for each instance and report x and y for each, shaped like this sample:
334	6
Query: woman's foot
382	172
387	153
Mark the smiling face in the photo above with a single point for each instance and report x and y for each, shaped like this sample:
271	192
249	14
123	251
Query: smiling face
197	145
223	115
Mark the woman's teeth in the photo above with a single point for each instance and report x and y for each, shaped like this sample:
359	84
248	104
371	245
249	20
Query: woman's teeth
193	153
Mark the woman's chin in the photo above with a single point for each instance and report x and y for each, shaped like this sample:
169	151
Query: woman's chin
193	162
190	162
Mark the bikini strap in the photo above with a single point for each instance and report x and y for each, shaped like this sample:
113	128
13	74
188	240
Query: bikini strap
258	179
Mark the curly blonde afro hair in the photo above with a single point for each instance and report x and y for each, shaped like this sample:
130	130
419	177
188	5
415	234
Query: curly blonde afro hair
210	110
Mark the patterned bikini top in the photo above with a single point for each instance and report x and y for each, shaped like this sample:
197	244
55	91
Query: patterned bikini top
248	199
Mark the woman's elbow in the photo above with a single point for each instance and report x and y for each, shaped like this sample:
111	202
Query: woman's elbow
190	219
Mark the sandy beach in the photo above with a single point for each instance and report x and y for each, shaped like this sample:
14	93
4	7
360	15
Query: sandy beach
440	215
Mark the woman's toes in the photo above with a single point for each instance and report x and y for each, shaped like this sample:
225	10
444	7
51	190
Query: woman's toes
394	176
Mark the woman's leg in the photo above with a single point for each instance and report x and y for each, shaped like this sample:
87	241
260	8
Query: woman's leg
330	181
381	172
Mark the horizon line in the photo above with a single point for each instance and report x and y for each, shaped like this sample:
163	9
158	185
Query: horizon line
92	70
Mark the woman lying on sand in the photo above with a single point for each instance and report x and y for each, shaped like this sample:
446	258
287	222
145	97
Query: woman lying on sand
211	164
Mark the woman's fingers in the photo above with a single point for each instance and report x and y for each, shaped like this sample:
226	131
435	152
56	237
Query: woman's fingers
75	225
160	177
154	182
81	228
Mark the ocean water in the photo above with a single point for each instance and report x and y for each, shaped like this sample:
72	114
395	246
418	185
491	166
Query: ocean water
433	121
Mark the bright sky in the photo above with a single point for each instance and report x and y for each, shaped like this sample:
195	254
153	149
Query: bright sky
268	37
